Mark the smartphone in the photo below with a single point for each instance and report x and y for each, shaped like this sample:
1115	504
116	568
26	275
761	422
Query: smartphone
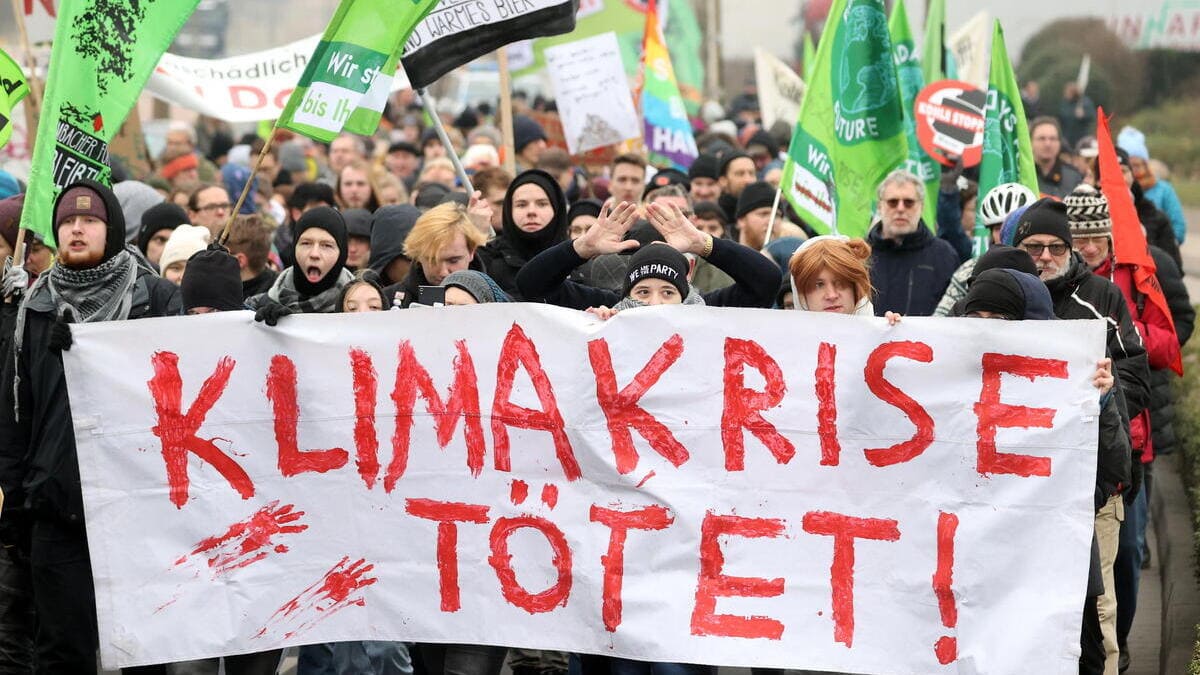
431	296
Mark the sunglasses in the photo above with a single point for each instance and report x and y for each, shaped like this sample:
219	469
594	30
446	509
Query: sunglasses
1035	250
895	202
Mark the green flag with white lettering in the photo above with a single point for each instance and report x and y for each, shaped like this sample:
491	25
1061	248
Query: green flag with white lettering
908	70
850	132
103	53
1007	150
13	88
347	80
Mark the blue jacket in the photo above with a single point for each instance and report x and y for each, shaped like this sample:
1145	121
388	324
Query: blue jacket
910	276
1162	194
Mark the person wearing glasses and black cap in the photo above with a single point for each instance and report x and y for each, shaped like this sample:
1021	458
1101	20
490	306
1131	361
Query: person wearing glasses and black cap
910	265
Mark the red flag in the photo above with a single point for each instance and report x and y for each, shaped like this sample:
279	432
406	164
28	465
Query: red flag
1129	241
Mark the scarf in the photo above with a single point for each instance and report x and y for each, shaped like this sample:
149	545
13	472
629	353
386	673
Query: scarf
100	293
285	293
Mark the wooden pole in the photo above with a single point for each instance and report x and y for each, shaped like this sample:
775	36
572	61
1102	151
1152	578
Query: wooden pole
246	188
506	112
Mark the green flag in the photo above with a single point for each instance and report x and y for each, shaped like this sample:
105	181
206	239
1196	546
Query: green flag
850	132
347	80
1007	151
810	56
103	53
936	62
908	70
13	88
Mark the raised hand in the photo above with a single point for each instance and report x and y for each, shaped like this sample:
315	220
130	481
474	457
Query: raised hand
608	234
676	229
479	210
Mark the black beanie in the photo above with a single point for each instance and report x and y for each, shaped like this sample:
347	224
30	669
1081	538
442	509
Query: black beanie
328	219
992	290
1004	257
644	234
657	261
212	279
755	196
1045	216
164	216
584	207
705	166
728	158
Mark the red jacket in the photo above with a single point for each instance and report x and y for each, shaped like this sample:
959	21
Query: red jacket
1158	336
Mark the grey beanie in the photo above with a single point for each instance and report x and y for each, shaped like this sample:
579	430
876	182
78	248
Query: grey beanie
135	198
479	285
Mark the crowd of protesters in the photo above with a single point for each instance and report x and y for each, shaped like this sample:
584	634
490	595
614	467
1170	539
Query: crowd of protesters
368	224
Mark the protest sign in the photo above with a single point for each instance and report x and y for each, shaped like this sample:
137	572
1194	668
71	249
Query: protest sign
949	117
969	44
780	89
592	92
738	487
246	88
40	16
1169	24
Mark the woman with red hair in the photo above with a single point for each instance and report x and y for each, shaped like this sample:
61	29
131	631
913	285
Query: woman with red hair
829	274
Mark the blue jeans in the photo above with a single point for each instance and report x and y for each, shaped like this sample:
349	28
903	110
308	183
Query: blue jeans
352	658
1127	570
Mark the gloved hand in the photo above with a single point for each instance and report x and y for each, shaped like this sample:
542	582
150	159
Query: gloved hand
950	176
60	332
16	279
270	312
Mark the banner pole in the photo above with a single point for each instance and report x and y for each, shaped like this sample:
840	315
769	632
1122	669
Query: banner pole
506	112
246	188
427	103
774	212
34	103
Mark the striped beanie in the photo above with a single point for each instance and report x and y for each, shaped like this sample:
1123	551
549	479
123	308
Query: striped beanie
1087	212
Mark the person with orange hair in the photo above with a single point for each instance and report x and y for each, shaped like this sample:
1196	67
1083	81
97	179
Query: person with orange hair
829	274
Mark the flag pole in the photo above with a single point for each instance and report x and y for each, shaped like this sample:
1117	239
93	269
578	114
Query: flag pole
246	188
34	100
506	112
774	213
431	111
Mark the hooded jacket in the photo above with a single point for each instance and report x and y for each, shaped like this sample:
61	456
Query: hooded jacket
39	471
910	275
505	255
389	228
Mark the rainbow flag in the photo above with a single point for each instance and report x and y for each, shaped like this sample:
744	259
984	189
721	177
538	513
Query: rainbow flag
668	131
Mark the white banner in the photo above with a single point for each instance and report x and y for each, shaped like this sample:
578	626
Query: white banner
736	487
592	93
971	45
1172	24
780	89
246	88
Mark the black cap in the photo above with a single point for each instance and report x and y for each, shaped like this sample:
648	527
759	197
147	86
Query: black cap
995	291
404	146
644	234
657	261
212	280
728	158
705	166
755	196
1045	216
584	207
358	222
164	216
666	177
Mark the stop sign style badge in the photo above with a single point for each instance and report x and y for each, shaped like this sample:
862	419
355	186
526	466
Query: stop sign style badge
950	122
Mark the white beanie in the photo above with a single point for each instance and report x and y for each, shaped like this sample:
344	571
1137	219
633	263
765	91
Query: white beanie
186	241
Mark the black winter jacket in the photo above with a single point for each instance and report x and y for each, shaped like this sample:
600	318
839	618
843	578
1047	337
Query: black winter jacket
910	276
756	278
38	466
1162	396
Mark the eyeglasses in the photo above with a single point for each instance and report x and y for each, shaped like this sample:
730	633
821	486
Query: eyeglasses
894	202
216	207
1035	250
